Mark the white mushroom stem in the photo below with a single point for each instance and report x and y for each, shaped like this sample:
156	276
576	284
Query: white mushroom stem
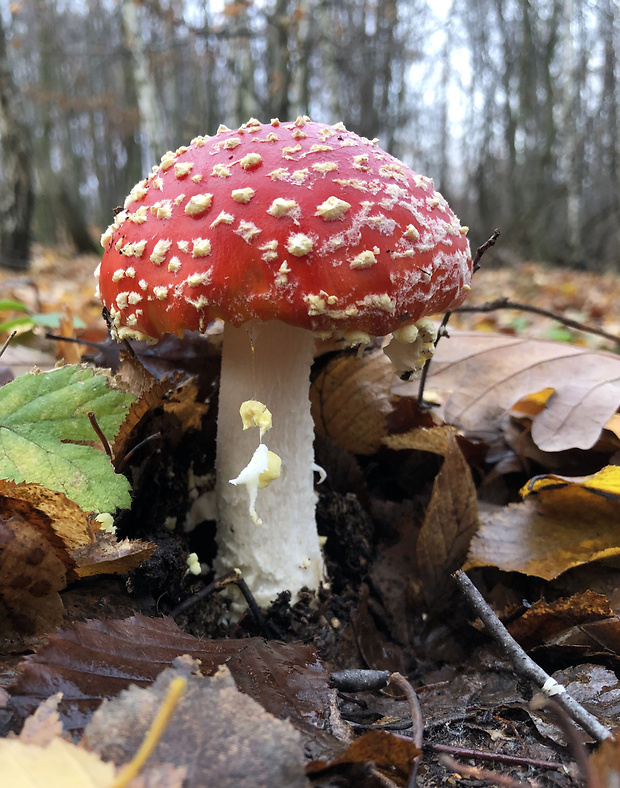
269	362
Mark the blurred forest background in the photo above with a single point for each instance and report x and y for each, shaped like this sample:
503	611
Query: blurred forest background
511	105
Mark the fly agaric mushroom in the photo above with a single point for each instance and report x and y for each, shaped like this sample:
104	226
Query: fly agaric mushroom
285	231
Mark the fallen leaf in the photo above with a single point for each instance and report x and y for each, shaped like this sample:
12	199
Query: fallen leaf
482	376
58	765
576	491
450	522
31	575
41	417
221	736
350	400
544	621
44	725
97	659
107	556
605	762
546	535
433	439
69	522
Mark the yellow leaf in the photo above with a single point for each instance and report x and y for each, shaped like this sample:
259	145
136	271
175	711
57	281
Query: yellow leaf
577	490
59	765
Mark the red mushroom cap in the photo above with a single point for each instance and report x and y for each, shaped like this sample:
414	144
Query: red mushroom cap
300	222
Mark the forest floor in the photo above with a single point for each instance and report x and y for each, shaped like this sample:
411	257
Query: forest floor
530	510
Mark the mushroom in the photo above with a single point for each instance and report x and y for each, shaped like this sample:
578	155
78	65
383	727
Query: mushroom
286	232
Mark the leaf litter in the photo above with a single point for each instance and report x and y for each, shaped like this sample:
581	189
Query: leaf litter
398	509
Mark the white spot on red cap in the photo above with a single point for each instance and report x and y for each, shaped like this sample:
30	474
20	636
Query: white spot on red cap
162	209
282	207
167	160
222	218
280	174
333	208
220	171
412	233
251	160
183	169
248	231
325	166
183	246
289	150
198	204
139	216
161	292
299	244
364	259
243	195
174	265
201	247
160	251
199	278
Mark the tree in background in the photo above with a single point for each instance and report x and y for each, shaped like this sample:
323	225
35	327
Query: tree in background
512	105
16	194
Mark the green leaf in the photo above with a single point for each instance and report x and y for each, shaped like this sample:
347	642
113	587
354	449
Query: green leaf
41	418
13	306
17	322
52	320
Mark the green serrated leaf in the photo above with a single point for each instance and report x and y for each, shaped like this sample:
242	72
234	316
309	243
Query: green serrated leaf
41	417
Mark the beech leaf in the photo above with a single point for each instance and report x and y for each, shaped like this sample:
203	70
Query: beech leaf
41	417
480	376
450	522
564	522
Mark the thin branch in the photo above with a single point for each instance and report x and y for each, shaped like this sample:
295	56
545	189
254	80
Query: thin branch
94	424
8	341
495	757
505	303
443	328
417	721
524	665
474	773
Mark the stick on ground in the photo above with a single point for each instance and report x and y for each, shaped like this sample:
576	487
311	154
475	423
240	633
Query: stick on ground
524	665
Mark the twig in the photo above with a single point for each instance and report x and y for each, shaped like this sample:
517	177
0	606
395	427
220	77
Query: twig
575	744
93	423
75	340
499	757
216	585
7	342
235	577
358	680
484	248
442	330
474	773
505	303
417	721
524	665
123	463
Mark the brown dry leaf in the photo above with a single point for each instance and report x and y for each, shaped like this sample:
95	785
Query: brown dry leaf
481	376
450	522
577	490
108	556
221	736
433	439
31	575
544	621
67	519
605	762
546	535
183	403
351	398
379	747
97	659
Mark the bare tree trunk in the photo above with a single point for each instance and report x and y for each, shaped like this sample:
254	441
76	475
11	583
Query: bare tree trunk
151	121
570	132
16	194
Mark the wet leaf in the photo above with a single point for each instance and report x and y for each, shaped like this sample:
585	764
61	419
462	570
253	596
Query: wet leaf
548	534
450	522
481	376
221	736
107	556
350	400
40	418
31	575
95	660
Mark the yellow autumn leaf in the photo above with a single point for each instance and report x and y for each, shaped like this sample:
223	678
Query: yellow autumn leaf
59	765
605	484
